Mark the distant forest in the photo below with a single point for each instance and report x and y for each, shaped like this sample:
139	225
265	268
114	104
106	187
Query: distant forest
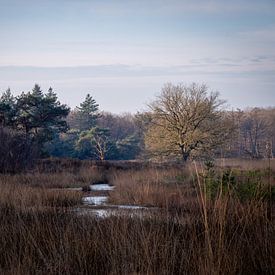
36	125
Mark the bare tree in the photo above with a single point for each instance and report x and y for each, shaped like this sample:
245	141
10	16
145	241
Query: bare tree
120	126
96	142
185	121
101	144
254	130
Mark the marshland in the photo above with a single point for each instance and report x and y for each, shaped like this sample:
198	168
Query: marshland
196	219
160	192
183	188
137	137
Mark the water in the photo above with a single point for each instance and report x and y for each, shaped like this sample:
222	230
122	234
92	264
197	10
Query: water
104	213
99	213
93	187
101	187
131	207
98	206
95	200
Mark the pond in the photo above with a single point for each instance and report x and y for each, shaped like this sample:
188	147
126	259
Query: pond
101	187
98	206
94	200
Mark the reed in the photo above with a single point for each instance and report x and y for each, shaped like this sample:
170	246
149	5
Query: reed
192	233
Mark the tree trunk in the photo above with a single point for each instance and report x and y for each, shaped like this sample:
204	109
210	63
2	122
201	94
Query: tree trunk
185	154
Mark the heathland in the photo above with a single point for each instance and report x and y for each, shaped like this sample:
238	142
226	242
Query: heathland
186	187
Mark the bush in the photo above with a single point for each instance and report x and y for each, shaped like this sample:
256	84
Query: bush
244	185
16	150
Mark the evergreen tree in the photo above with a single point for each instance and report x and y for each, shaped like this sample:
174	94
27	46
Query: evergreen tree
63	145
127	148
41	115
7	109
87	113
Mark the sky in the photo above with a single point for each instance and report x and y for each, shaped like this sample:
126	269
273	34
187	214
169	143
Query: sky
124	51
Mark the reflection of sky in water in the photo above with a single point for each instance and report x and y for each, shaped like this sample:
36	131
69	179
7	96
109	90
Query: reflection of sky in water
119	211
101	187
95	200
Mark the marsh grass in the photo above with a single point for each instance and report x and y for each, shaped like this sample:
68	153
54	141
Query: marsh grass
166	188
198	234
61	179
20	196
54	242
246	164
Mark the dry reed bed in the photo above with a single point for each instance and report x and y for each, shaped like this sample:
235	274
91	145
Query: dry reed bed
246	164
223	235
52	242
178	188
83	177
165	188
20	196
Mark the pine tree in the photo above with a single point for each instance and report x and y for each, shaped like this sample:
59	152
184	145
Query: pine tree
41	115
87	113
7	109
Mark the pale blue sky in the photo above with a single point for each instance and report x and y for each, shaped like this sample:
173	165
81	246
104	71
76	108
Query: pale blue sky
122	52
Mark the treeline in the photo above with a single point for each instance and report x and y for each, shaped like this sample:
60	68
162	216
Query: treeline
97	135
254	134
36	125
27	122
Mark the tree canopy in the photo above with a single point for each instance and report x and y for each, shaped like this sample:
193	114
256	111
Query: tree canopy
185	121
7	108
39	115
87	113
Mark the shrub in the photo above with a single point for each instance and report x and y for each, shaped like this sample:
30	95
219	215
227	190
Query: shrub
16	150
244	185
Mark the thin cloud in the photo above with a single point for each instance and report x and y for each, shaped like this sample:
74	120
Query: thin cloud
165	6
266	35
206	67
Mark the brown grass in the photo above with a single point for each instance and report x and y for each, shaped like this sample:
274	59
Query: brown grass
165	188
197	235
246	164
60	243
20	197
83	177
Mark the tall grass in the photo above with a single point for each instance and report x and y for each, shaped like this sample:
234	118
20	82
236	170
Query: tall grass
60	179
246	164
24	197
198	234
